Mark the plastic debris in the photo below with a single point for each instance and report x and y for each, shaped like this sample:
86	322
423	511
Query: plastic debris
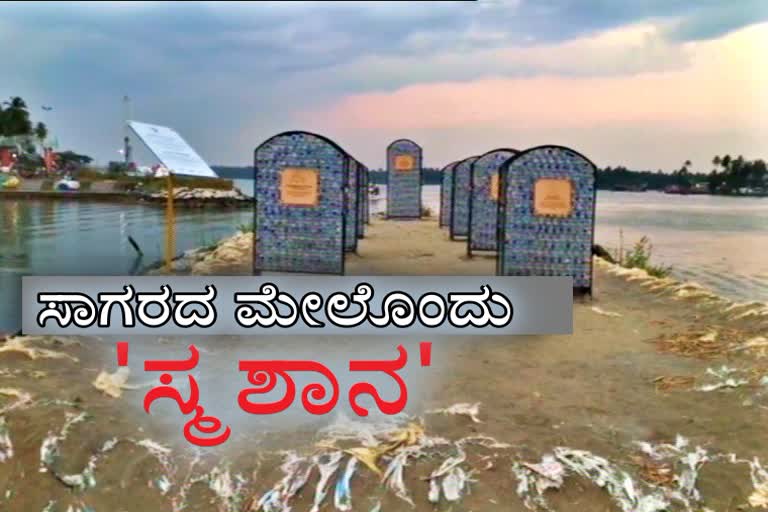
454	483
86	479
601	311
550	471
689	462
724	381
534	479
393	476
113	384
6	447
49	449
228	489
296	472
327	464
446	468
23	399
50	507
484	441
616	482
367	433
342	498
759	476
370	455
19	344
163	484
464	409
376	507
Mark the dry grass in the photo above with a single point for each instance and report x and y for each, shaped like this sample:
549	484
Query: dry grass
653	472
704	344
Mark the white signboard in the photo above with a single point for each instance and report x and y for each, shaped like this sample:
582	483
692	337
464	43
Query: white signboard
172	151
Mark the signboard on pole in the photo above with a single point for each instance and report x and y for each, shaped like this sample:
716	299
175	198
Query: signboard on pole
172	150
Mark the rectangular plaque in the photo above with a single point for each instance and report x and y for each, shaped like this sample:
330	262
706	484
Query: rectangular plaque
299	186
494	187
553	197
404	163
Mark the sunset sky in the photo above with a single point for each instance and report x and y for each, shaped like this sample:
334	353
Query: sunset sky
642	83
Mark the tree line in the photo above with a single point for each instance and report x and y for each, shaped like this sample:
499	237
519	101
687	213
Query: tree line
17	129
727	176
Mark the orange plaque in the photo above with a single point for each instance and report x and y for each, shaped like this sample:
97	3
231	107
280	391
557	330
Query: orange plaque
494	187
553	197
404	163
299	186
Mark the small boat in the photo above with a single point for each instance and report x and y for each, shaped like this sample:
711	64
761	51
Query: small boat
373	191
67	184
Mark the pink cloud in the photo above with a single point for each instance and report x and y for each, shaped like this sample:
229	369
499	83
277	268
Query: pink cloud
721	86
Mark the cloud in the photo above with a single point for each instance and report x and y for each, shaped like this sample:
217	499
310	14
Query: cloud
719	91
227	75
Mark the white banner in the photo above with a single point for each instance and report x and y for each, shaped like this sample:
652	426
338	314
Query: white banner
172	151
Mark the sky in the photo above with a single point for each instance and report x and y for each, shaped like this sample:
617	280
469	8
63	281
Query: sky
646	84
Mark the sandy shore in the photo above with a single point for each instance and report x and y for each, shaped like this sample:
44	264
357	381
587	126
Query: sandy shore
596	390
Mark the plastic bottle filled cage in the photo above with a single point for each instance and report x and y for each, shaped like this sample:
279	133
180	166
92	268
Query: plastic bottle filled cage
546	215
404	160
446	194
483	200
460	181
300	189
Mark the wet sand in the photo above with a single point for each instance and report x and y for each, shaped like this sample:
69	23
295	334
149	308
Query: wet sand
592	390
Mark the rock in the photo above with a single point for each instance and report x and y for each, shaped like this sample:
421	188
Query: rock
232	256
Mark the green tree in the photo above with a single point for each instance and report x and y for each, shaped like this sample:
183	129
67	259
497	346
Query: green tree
14	118
41	133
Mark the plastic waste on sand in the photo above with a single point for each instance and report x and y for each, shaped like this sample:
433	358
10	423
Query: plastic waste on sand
601	311
463	409
19	344
113	384
724	379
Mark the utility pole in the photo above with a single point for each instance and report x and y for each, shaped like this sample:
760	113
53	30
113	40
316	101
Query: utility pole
126	138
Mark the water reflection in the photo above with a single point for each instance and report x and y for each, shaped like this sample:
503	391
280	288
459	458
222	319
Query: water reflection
83	238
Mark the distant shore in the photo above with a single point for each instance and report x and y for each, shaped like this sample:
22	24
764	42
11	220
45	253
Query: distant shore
111	191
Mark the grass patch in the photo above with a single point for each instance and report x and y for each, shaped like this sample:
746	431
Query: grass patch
639	256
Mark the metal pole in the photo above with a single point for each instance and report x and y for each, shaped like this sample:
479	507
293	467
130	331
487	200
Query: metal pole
126	139
170	225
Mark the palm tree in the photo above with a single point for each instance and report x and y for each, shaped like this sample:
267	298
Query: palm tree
41	133
726	162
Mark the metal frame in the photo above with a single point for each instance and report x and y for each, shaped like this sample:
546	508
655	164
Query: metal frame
355	210
447	168
453	201
501	218
472	198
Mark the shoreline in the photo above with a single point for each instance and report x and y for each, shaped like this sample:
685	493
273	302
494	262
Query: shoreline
596	393
229	202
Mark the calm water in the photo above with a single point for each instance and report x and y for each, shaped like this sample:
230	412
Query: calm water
79	238
719	242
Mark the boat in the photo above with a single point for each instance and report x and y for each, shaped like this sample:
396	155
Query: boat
67	184
374	191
